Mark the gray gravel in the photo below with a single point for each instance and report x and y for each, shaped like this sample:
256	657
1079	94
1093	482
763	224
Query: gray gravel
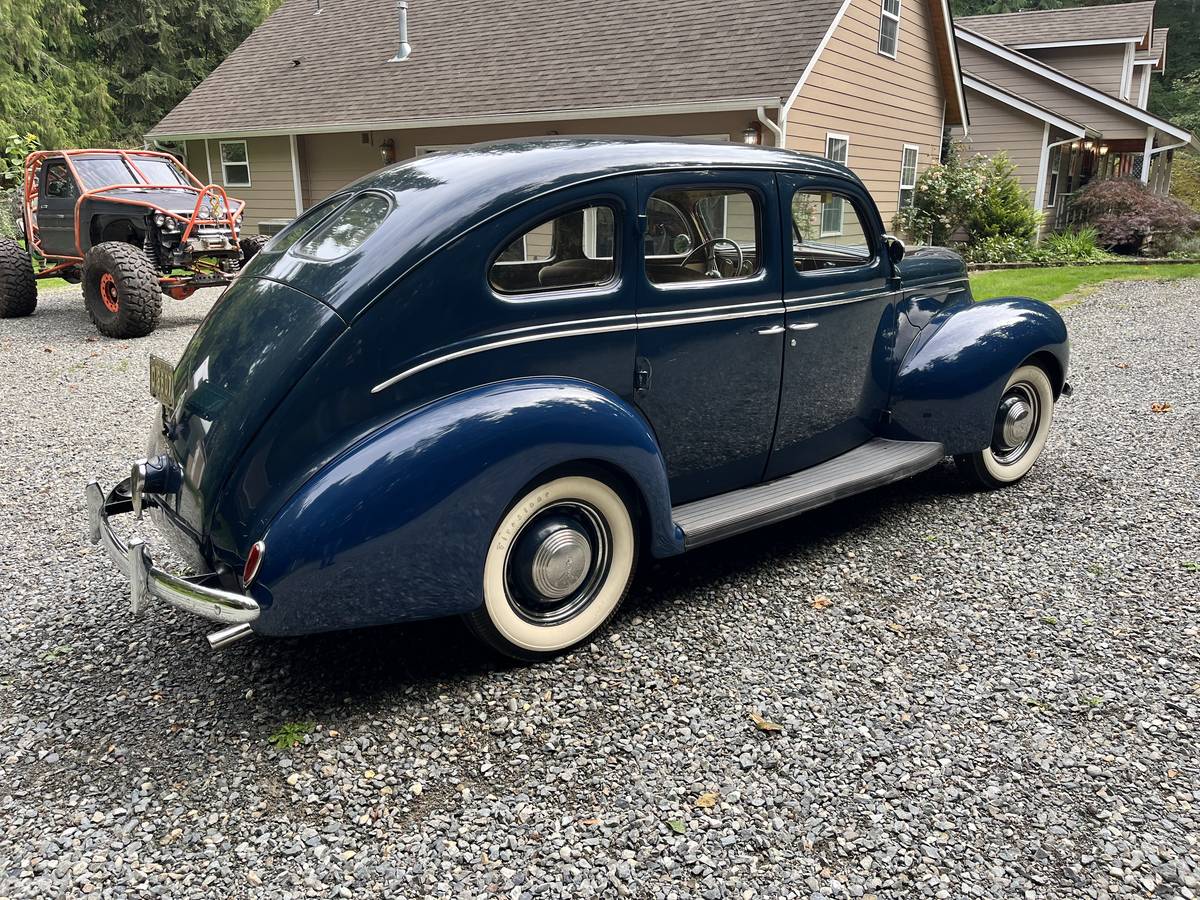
1001	697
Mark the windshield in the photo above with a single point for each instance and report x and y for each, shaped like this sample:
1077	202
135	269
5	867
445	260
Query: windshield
159	171
105	171
102	171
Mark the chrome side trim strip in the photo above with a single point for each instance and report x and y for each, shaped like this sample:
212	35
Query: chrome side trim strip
497	345
662	314
924	285
612	324
696	320
798	304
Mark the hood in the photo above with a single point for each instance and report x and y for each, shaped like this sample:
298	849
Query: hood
180	202
251	350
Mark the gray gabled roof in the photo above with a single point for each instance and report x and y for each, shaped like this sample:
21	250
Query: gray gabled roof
1115	22
485	59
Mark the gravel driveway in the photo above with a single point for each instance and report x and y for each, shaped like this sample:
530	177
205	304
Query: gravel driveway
980	694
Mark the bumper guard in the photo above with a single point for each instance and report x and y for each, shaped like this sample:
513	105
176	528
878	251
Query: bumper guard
198	594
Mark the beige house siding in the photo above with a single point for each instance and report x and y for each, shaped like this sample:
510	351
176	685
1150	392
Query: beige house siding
844	95
1045	93
333	160
271	194
996	127
1101	66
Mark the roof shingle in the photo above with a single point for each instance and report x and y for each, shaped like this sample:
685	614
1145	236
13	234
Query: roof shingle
1118	21
479	58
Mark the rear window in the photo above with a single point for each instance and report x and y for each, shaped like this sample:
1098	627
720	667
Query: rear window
301	225
344	232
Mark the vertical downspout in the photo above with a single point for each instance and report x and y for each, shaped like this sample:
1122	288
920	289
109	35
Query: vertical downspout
776	130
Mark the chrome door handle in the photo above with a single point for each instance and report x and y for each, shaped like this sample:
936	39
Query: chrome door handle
774	329
804	326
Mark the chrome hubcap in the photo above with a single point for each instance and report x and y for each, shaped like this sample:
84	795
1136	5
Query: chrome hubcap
1016	423
557	563
561	563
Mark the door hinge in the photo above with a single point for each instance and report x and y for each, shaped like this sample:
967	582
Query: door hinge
641	375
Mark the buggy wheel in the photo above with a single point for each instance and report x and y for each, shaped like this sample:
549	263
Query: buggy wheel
250	245
559	566
121	290
18	287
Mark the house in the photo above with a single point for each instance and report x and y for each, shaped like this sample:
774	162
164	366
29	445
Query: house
320	94
1063	92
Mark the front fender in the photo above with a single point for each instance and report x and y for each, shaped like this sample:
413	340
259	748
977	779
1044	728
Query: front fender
397	527
949	384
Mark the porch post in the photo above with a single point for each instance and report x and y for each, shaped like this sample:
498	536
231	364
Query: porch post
297	191
1146	157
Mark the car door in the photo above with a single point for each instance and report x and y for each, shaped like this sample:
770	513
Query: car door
840	322
57	195
710	325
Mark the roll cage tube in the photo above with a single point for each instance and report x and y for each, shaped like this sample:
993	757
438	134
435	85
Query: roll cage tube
35	161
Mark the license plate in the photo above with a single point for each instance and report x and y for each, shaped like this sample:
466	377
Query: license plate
162	382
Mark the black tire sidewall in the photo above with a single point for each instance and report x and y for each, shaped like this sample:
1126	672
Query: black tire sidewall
138	291
18	285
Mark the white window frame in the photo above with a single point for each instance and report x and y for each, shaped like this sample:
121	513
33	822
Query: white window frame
225	172
1054	176
845	161
885	13
916	151
591	223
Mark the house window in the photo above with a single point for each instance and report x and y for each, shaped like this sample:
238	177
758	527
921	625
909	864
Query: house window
908	174
833	210
235	164
889	27
1055	167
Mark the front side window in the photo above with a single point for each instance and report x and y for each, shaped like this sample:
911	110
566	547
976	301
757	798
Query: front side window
889	27
235	164
58	180
701	234
908	175
576	249
813	247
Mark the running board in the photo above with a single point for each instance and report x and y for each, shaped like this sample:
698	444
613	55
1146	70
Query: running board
872	465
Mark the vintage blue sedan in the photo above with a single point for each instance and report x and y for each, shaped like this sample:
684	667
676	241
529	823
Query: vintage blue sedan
485	382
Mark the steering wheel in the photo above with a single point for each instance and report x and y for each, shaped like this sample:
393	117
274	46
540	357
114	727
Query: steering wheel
711	245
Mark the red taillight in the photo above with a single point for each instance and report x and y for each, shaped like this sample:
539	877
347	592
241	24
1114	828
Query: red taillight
253	563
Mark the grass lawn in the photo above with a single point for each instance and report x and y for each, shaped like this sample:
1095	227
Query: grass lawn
1068	281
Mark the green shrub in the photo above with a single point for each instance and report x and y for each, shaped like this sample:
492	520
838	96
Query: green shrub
942	200
1070	247
1003	209
998	249
1185	179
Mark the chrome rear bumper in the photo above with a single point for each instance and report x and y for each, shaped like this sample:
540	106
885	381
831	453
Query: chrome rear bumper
198	594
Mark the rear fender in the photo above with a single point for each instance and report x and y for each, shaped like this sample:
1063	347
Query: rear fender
949	384
397	527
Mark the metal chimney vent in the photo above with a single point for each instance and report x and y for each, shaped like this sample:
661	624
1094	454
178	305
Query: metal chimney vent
404	51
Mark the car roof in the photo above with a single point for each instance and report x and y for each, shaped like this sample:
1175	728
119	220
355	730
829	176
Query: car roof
558	161
444	194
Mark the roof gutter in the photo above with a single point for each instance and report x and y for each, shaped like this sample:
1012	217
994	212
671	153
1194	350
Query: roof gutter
544	115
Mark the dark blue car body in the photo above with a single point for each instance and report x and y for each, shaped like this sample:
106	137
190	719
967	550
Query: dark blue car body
371	418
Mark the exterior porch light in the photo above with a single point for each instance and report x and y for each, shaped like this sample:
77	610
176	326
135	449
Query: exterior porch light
752	134
1104	149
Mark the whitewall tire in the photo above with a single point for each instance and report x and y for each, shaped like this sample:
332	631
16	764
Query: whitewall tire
557	569
1019	435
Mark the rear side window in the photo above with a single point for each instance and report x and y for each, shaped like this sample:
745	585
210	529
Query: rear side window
573	250
343	233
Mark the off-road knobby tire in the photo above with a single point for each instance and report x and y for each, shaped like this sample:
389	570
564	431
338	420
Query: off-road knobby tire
18	287
250	245
138	294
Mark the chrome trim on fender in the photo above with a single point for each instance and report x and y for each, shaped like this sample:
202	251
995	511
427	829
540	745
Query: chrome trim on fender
147	580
